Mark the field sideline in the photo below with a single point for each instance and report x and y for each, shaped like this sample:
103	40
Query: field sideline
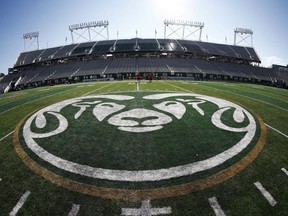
259	189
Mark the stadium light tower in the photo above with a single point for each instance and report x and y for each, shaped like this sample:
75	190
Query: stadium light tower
180	25
34	36
239	32
82	29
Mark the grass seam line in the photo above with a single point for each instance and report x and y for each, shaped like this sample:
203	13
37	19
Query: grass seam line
276	130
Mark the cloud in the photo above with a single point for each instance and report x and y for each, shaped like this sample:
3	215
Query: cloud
268	61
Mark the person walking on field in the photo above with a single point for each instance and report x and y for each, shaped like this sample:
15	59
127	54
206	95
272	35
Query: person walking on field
138	75
150	77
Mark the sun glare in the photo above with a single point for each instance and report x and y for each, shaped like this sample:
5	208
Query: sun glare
170	8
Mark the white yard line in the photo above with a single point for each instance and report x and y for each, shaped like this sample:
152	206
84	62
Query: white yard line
246	97
266	194
50	96
20	203
6	135
285	171
216	207
137	86
12	96
146	209
177	87
276	130
36	100
74	211
42	98
97	89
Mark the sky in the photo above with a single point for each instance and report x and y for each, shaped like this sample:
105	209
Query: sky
51	18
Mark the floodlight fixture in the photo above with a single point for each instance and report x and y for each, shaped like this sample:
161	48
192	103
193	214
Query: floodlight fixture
30	36
243	31
184	24
90	26
102	23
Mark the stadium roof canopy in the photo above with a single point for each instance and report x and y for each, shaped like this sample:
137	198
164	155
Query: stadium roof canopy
140	46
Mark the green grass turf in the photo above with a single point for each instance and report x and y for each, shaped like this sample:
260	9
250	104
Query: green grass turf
237	196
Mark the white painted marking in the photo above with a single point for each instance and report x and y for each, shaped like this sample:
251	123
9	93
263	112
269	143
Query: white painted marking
173	107
146	210
0	179
74	211
216	207
83	107
12	96
246	97
35	100
142	175
134	126
265	193
258	87
137	86
6	135
216	120
177	87
102	110
188	83
97	89
285	171
20	203
46	89
196	107
276	130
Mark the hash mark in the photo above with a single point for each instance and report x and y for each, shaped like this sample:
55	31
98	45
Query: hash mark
216	207
74	211
285	171
20	203
266	194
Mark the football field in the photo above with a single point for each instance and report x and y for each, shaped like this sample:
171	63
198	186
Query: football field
159	148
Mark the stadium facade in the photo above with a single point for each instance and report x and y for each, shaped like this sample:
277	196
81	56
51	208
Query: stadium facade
123	59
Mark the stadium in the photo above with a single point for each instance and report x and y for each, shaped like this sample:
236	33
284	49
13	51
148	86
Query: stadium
85	132
122	59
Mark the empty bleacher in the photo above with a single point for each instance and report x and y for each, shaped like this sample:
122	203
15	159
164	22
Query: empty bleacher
165	57
83	48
